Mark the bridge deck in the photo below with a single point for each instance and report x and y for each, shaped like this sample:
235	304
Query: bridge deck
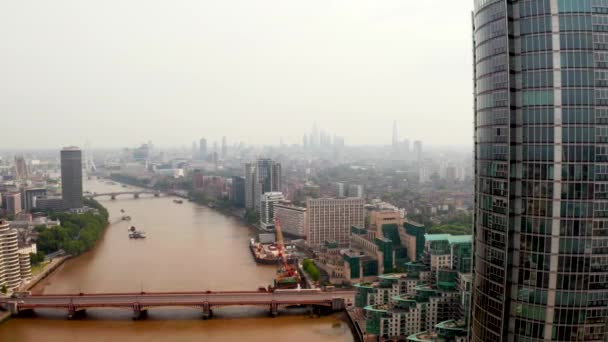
159	299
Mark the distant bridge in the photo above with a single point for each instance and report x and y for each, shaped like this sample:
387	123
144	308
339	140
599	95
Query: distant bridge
134	193
140	303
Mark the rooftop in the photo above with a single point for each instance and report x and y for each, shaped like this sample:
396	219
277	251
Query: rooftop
455	239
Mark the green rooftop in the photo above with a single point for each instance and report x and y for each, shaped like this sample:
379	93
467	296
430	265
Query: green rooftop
458	239
392	276
377	308
437	237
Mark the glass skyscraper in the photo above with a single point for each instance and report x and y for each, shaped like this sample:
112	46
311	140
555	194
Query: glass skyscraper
541	170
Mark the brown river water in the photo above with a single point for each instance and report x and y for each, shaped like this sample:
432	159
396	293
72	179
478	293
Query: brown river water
188	247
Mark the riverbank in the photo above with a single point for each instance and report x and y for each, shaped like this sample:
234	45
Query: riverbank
48	270
231	211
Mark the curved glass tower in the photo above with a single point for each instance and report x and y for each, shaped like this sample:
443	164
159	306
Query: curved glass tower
541	170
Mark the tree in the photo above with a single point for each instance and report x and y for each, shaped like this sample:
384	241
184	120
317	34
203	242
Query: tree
36	258
252	217
312	270
4	289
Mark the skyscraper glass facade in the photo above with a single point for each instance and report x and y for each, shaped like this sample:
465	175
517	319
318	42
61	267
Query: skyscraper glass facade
541	170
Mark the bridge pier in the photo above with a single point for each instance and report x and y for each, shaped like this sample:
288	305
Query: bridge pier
136	195
311	310
274	309
113	197
156	194
139	314
74	313
207	312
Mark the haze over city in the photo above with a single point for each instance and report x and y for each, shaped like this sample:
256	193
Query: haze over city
327	171
116	73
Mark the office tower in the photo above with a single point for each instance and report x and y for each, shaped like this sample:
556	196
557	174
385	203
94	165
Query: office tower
194	150
71	177
314	136
13	203
305	141
266	177
21	170
10	270
330	219
292	219
405	149
29	197
238	191
541	219
267	202
418	152
395	137
224	148
203	149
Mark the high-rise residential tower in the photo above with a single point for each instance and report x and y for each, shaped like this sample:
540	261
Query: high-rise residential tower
224	148
71	177
541	167
203	149
10	270
264	175
395	141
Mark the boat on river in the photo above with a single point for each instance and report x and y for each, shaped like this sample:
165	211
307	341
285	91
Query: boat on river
136	234
178	201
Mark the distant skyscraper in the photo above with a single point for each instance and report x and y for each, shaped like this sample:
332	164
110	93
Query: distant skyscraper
203	149
224	148
305	141
330	219
395	137
314	136
405	147
541	201
418	152
21	170
194	150
71	177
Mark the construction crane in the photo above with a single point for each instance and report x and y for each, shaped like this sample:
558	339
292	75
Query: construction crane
287	275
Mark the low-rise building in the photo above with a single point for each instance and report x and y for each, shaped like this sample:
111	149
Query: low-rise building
292	218
49	203
267	203
427	303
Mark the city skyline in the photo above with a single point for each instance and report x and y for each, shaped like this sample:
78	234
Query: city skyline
194	68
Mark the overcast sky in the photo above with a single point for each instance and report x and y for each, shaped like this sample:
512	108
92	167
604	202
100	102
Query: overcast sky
121	72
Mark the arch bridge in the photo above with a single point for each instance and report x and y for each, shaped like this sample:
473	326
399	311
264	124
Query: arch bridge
135	194
140	303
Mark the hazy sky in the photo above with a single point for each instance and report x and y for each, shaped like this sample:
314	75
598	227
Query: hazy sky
120	72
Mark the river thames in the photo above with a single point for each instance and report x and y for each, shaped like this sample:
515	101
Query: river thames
188	247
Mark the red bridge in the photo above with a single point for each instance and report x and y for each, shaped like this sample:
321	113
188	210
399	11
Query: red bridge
139	303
